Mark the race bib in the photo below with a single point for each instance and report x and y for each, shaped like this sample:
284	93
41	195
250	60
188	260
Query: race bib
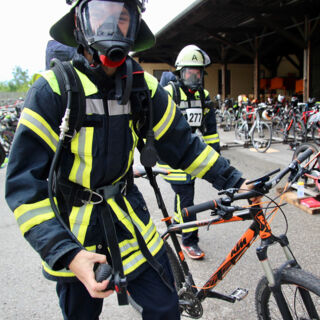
194	117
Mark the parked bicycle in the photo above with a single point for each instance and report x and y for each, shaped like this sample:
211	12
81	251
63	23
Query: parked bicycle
259	132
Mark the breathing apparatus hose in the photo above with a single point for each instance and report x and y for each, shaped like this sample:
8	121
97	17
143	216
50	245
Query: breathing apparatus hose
64	127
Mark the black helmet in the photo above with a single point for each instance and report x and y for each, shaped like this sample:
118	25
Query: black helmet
109	28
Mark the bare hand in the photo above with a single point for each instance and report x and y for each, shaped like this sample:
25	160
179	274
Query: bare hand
248	187
82	266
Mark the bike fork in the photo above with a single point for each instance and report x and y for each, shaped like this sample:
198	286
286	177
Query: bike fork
274	278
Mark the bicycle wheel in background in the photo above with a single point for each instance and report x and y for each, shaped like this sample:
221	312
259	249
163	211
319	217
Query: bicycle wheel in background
7	139
301	291
278	128
298	132
241	130
315	133
316	169
261	137
227	121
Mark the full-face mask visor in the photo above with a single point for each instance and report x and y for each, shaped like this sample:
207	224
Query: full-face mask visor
192	77
108	25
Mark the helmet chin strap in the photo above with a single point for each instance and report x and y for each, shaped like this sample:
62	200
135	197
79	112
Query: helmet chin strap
109	63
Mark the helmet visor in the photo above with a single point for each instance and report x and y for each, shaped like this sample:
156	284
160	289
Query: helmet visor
110	20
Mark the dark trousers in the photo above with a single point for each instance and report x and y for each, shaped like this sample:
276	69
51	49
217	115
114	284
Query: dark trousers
148	290
184	195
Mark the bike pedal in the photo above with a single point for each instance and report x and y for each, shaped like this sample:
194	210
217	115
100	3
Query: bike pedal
239	294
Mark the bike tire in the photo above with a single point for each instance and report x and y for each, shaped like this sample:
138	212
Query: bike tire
7	139
298	132
261	137
278	128
293	281
228	122
316	169
175	267
315	133
241	130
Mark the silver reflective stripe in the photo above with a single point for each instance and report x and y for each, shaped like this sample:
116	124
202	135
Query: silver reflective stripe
94	106
204	163
193	103
115	109
81	154
40	126
78	222
30	214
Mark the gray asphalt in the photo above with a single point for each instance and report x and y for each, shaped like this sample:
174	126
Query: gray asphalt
25	294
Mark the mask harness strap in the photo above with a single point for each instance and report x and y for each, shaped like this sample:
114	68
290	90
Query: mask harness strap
123	96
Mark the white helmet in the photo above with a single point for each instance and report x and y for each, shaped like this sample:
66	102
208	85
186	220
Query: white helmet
192	56
281	98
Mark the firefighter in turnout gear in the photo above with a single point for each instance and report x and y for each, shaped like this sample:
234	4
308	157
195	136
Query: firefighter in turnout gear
93	181
195	104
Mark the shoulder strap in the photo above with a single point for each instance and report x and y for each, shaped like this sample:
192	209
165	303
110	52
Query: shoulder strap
175	92
78	101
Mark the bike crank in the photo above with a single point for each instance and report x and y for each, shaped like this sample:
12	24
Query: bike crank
189	303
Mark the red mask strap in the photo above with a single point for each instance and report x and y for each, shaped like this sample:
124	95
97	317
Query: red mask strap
109	63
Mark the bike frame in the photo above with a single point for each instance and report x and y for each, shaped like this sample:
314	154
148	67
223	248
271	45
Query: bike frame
259	227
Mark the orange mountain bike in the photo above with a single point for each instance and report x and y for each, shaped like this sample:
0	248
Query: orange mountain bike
284	293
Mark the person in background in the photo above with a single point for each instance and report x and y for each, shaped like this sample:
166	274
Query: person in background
195	104
58	50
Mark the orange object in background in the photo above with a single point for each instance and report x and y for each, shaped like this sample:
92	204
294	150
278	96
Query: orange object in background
276	83
299	86
264	83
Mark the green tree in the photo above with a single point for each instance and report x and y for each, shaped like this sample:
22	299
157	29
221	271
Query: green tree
20	83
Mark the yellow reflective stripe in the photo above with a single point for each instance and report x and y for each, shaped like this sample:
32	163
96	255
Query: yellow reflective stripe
40	127
179	218
163	125
189	230
81	147
169	89
203	162
152	83
79	221
51	79
178	215
88	86
214	138
162	165
175	177
63	272
30	215
131	154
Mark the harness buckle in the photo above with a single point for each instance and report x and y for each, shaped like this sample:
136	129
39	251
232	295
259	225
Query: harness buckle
91	194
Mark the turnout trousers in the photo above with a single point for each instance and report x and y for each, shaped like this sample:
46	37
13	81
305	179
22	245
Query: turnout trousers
184	196
148	290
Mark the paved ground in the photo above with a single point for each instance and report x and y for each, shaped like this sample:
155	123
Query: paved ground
25	294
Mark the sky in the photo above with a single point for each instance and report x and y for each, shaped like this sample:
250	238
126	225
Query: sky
24	29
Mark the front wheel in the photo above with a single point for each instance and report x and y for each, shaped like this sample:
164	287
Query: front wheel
300	289
261	137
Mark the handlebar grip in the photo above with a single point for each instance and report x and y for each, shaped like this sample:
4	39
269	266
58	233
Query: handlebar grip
103	272
192	210
303	156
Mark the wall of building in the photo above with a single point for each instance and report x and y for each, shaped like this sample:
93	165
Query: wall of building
241	76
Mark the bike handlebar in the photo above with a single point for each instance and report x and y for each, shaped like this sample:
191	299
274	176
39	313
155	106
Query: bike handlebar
262	188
